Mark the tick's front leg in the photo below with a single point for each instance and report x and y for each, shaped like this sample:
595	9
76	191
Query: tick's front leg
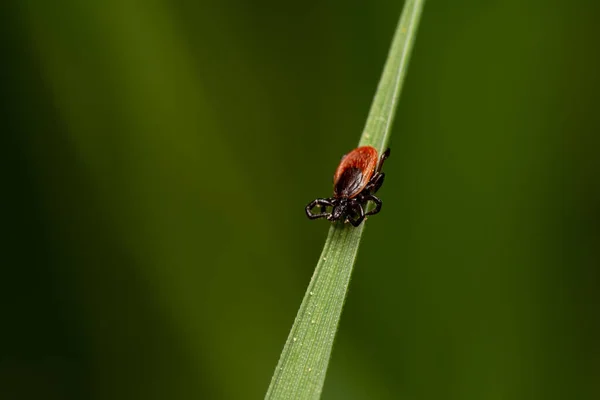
322	204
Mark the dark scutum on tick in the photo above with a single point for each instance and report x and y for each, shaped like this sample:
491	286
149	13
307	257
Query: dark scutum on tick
355	182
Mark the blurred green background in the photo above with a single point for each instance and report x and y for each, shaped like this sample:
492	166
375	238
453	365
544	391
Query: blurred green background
157	156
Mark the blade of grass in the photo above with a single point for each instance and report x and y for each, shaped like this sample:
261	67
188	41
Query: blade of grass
300	373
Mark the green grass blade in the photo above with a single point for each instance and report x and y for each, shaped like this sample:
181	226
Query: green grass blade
300	373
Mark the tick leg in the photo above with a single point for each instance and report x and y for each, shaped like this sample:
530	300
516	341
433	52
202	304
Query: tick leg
361	215
375	200
377	179
322	204
375	183
385	155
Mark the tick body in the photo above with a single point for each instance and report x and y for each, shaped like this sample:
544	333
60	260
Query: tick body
355	182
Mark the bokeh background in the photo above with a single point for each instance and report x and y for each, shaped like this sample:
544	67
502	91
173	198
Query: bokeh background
157	156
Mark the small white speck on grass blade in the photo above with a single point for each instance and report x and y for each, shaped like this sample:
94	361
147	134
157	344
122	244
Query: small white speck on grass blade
300	373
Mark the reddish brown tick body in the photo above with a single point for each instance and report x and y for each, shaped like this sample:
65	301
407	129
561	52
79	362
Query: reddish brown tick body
354	172
355	182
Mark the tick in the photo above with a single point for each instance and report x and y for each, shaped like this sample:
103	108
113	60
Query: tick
355	182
